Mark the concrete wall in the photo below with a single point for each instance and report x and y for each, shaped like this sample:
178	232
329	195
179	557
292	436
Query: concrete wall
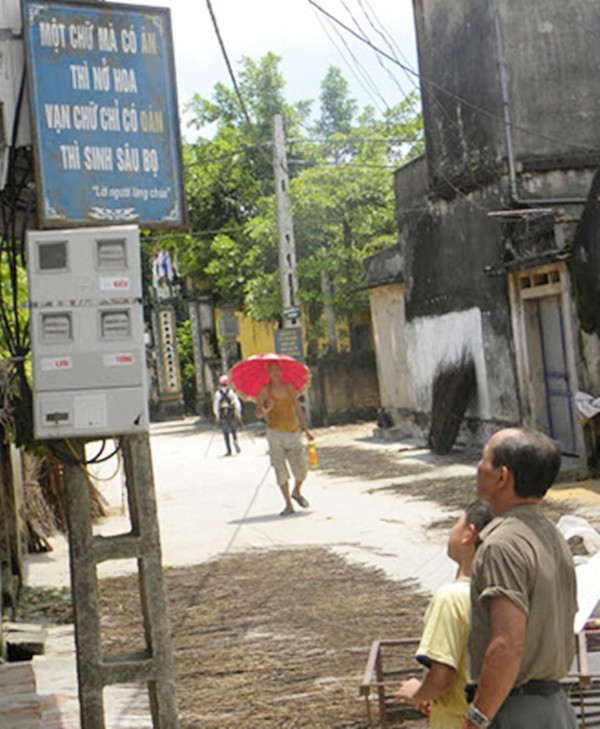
446	248
553	57
394	375
455	47
552	60
255	337
590	363
585	267
344	388
440	341
462	230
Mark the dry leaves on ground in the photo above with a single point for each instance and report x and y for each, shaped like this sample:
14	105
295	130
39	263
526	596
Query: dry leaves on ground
272	639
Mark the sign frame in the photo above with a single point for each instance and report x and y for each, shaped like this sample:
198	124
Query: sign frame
289	340
291	312
104	111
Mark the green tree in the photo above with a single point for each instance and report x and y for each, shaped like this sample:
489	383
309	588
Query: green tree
337	109
341	190
15	366
343	207
228	171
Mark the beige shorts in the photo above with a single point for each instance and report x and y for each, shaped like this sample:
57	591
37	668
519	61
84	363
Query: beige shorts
287	448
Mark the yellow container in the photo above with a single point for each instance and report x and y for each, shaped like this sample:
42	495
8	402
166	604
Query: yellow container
313	456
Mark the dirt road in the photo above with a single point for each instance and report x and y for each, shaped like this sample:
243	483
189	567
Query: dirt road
272	617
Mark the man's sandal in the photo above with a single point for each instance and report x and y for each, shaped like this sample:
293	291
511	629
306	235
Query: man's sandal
299	499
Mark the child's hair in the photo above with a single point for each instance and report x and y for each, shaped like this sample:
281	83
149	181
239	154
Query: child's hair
478	514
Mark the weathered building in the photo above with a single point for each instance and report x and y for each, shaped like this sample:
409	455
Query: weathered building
490	218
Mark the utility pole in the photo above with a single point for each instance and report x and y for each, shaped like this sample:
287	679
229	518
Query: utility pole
287	251
87	285
329	311
285	227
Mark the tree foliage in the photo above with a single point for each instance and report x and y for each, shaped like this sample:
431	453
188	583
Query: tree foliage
341	190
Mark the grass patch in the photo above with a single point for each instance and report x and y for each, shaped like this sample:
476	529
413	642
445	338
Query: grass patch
45	605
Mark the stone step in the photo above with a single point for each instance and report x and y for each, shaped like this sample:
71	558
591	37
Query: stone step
19	703
23	640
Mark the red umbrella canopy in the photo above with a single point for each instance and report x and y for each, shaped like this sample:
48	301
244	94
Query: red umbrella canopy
250	375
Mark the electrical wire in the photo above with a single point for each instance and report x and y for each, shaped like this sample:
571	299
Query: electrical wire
83	463
377	51
232	76
378	57
16	336
432	84
367	82
429	90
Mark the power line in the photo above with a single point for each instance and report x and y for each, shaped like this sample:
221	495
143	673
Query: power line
227	62
434	85
410	72
442	109
377	55
348	64
238	93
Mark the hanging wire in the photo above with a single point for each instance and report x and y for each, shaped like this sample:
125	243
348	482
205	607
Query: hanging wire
236	87
355	67
427	82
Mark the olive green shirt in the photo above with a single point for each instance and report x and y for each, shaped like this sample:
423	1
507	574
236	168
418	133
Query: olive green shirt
523	557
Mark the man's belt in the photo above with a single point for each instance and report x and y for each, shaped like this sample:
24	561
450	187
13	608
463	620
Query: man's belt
535	687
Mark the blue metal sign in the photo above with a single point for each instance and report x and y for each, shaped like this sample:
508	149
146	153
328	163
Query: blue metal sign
289	341
104	112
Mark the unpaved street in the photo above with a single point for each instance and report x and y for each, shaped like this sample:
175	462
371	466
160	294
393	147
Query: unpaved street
272	617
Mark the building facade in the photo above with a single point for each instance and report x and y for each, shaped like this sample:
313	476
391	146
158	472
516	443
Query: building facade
490	221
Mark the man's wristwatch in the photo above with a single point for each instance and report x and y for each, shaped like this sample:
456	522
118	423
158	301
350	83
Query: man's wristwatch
478	718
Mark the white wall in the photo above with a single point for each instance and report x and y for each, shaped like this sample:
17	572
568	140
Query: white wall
387	312
10	14
431	341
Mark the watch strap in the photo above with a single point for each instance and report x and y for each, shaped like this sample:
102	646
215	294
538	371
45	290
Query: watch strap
478	717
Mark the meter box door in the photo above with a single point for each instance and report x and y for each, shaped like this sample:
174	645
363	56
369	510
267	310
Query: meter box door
84	264
93	345
87	327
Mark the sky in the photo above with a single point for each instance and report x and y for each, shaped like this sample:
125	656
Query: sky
307	41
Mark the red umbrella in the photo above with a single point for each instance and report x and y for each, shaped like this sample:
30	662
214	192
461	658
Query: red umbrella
250	375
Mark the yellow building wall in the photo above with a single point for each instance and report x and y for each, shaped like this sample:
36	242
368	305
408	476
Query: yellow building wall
255	337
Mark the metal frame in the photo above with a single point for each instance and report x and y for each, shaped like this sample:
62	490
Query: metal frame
379	679
582	685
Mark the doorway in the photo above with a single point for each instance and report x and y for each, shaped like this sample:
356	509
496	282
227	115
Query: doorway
545	353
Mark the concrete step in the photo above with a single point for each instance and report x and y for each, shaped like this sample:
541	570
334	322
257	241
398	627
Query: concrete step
19	703
23	640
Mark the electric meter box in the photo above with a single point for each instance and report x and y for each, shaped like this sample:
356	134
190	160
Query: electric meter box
85	264
87	332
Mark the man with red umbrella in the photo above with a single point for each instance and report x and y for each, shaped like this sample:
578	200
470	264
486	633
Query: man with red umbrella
275	381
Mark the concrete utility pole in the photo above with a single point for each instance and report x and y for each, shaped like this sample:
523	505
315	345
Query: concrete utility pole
329	311
153	666
287	246
285	227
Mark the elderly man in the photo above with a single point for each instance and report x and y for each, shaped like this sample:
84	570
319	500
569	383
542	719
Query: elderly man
523	595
